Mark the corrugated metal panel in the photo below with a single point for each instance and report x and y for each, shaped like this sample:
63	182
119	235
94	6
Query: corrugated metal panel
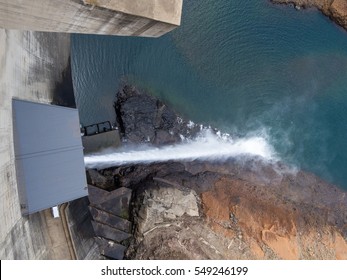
49	155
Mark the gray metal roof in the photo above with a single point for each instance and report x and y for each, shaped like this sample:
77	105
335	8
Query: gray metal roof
49	155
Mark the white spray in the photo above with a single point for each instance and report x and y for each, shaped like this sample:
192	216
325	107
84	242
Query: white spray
207	146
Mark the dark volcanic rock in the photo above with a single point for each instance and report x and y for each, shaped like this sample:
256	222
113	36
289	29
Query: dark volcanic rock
97	179
142	118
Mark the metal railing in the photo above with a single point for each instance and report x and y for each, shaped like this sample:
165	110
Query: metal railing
97	128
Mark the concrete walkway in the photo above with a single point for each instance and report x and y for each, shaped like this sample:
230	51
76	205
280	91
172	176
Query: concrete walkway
59	238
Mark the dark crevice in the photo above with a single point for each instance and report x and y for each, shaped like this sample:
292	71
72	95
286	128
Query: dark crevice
63	94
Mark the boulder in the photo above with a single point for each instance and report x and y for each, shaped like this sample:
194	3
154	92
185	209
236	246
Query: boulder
143	118
165	204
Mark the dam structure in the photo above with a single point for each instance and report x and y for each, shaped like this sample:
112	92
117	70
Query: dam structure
149	18
35	67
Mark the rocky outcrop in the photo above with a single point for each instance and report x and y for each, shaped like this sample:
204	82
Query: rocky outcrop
165	204
205	210
335	9
241	208
143	119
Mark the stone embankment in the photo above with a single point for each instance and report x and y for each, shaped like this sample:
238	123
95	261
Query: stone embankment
334	9
110	212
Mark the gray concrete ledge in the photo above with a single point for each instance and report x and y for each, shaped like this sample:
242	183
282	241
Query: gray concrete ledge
97	142
148	18
168	11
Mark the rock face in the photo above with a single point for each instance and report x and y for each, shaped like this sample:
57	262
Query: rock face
241	208
205	210
165	204
335	9
144	119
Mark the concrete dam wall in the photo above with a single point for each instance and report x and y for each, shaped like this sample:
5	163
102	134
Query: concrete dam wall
32	65
34	68
150	18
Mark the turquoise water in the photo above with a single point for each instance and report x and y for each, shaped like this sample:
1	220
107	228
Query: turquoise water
245	67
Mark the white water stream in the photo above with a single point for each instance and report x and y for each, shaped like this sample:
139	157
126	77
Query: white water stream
207	146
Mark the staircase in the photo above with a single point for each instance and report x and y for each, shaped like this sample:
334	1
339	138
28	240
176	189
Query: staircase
110	211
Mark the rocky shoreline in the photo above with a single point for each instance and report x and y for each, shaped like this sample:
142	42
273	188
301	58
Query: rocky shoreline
336	10
235	209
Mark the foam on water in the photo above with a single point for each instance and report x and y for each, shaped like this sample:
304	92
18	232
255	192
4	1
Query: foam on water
206	146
